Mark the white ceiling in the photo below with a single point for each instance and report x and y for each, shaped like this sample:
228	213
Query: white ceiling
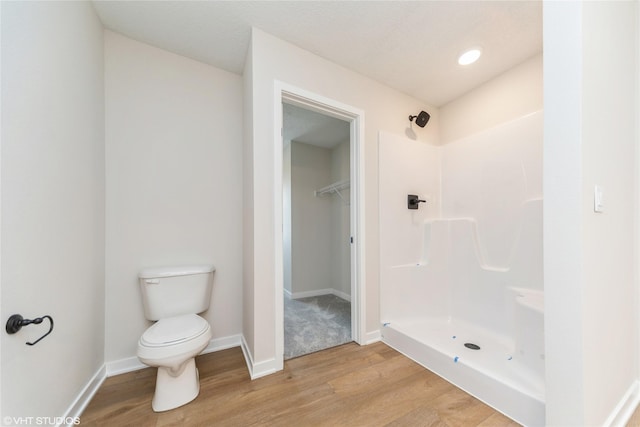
313	128
411	46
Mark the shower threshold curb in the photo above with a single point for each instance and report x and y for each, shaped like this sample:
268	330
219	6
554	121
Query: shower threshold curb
512	402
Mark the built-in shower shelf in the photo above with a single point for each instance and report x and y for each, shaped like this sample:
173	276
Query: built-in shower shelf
334	188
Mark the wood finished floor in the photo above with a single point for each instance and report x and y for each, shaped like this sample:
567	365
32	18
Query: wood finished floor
635	419
348	385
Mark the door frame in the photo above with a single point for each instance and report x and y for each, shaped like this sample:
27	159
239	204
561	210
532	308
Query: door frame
285	93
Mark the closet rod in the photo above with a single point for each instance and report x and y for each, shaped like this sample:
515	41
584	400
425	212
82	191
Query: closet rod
334	188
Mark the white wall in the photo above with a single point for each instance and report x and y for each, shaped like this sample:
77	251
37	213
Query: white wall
310	219
248	214
591	110
271	60
515	93
609	145
52	203
286	215
317	252
340	221
174	182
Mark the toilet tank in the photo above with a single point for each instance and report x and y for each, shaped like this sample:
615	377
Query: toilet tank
172	291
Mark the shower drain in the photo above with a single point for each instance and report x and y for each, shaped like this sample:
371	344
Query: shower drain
472	346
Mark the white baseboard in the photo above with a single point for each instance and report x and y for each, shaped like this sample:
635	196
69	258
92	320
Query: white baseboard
218	344
623	411
316	293
123	366
372	337
131	364
341	294
260	369
86	394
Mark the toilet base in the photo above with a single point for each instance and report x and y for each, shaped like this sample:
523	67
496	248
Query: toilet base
172	392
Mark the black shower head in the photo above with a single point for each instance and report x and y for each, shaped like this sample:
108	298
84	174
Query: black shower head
421	119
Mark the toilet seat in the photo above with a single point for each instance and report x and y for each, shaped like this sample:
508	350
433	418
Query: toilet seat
174	330
174	337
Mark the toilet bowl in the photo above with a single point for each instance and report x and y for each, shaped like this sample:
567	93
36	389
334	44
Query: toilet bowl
172	297
171	345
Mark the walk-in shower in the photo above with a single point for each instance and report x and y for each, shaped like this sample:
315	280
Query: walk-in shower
461	277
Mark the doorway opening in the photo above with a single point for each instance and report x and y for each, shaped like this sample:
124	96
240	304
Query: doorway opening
332	184
316	231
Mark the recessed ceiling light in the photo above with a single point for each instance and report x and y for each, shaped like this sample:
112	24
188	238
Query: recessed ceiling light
470	56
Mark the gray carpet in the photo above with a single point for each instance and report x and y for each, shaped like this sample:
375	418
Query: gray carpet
315	323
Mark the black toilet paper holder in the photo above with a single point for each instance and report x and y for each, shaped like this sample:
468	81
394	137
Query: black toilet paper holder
16	322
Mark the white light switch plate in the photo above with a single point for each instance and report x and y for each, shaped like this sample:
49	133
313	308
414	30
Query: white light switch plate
598	199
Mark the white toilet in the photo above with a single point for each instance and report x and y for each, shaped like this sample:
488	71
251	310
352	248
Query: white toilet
173	296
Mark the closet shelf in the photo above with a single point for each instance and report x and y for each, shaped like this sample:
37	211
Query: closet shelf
334	188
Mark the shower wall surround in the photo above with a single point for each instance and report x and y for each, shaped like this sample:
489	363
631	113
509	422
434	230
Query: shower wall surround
469	261
491	181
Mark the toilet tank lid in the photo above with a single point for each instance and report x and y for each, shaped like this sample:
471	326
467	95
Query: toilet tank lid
185	270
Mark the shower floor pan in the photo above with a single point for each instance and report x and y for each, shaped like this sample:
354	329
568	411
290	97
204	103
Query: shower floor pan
493	374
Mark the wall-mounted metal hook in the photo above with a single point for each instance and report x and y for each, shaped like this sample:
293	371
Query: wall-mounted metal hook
16	322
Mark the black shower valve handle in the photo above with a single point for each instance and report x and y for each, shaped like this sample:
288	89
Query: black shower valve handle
414	201
16	322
